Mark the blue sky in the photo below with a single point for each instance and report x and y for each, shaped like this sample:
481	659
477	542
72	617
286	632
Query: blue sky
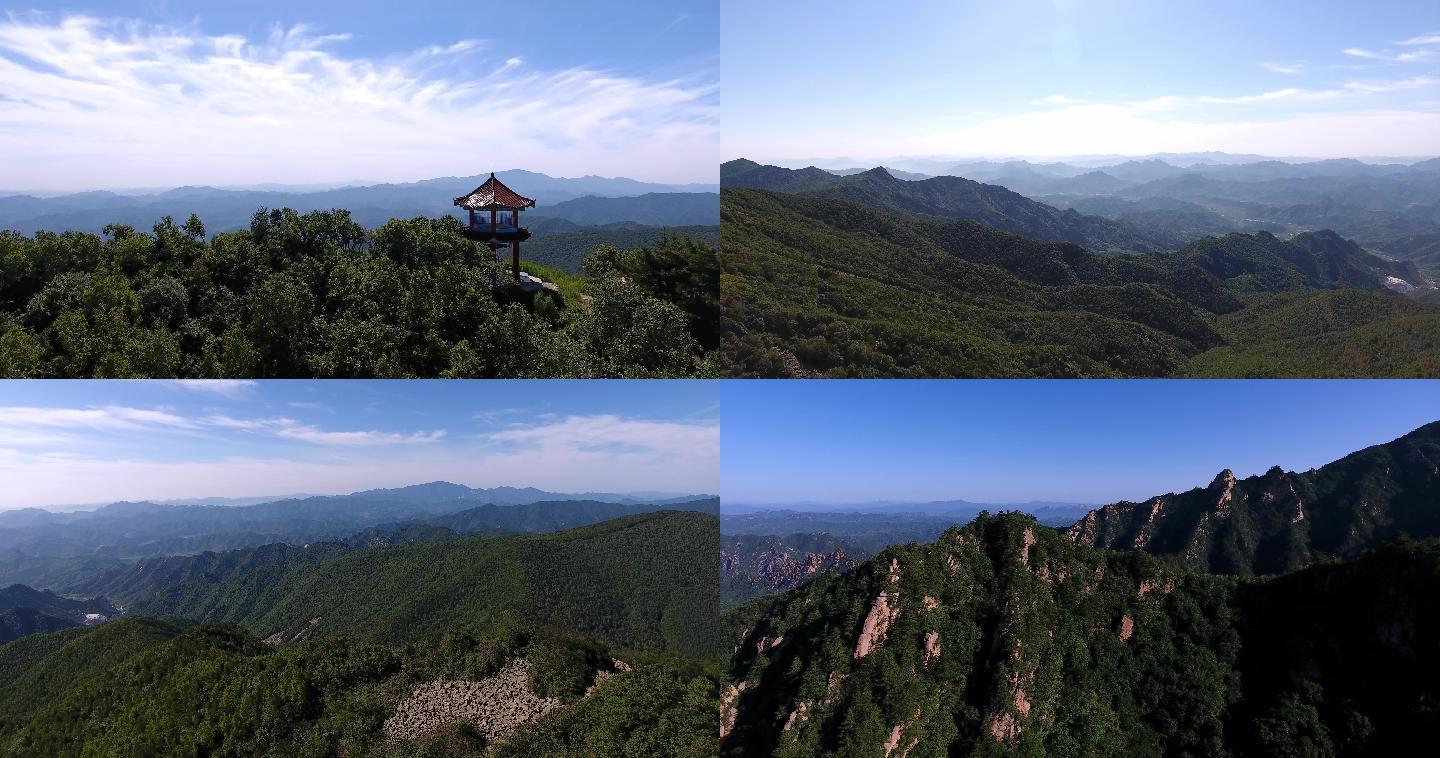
1069	441
1063	77
101	441
162	93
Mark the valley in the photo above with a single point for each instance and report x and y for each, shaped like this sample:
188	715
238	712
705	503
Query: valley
561	618
870	275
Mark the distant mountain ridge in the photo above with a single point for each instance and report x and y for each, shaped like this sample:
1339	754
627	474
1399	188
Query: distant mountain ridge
227	210
42	548
1281	520
949	197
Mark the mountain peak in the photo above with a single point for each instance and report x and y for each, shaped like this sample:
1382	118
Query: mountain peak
1226	478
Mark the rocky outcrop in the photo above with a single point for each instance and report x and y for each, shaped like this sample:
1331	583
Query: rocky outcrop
881	617
495	706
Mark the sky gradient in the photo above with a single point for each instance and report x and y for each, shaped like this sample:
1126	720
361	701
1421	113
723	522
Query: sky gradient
160	93
814	79
1053	440
73	442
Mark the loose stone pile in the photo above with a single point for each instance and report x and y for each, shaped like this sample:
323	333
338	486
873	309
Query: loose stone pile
495	706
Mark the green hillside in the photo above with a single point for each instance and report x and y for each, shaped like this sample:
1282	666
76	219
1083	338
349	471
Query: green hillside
1006	638
141	687
310	650
630	582
816	286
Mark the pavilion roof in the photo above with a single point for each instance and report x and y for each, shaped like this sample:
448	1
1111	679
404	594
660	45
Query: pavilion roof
493	194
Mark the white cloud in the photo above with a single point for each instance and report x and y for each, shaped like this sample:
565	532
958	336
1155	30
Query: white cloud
288	428
230	388
1425	39
90	102
105	418
357	439
580	433
569	454
1413	56
1282	68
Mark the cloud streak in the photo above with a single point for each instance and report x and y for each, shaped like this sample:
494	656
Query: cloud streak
95	102
570	453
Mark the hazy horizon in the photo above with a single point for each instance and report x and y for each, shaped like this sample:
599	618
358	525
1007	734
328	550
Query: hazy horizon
1014	442
81	442
1062	77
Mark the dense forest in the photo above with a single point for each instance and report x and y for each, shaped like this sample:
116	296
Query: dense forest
819	286
1004	637
597	641
318	295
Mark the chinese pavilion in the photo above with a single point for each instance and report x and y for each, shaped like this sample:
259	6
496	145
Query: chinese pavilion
502	228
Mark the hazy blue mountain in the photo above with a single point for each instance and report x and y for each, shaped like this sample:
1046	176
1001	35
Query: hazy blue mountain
373	205
51	549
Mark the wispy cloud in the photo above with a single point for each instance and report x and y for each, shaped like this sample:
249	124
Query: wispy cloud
1432	38
1412	56
35	426
358	439
570	453
1055	100
1282	68
108	418
229	388
138	103
587	433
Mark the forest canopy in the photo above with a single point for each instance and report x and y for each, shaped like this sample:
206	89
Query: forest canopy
318	295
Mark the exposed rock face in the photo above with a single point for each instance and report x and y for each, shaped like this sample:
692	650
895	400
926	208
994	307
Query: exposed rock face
882	615
877	624
932	647
1275	522
729	706
1127	627
495	706
771	564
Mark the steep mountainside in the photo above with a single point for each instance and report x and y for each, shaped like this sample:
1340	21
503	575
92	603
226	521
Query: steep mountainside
1281	521
814	286
752	565
1006	638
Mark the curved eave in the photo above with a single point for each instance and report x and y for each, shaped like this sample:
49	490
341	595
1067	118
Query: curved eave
464	202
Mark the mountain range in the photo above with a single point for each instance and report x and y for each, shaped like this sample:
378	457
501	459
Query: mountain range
1390	206
414	641
814	285
1282	521
580	201
48	549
